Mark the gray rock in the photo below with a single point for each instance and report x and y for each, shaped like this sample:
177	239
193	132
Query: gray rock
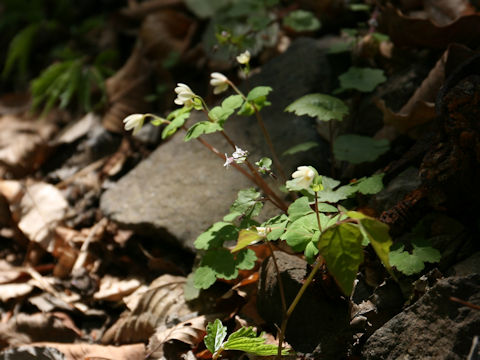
470	265
434	327
182	188
319	322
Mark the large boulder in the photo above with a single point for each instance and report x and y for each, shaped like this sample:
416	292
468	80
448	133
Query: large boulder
435	327
182	188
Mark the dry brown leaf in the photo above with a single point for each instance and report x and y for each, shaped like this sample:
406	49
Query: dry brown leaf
8	273
75	129
190	332
407	31
13	291
92	351
443	12
23	144
162	303
41	209
115	289
12	190
46	326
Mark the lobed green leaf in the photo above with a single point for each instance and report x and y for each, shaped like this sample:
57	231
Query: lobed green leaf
323	107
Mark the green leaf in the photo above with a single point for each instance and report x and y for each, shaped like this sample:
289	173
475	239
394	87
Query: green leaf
341	246
216	333
278	225
323	107
341	47
369	185
201	128
245	259
190	292
245	339
301	20
332	195
264	165
216	235
247	109
311	250
299	208
245	238
405	262
232	102
222	262
258	92
19	50
380	37
377	233
204	277
361	79
359	7
300	232
324	207
247	203
357	148
413	263
423	249
301	147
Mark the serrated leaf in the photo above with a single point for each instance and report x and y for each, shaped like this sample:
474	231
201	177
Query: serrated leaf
201	128
219	114
190	292
216	235
369	185
245	259
341	246
258	92
232	102
361	79
278	225
299	208
323	107
301	147
174	125
245	339
222	262
247	203
302	20
216	333
422	248
245	238
300	232
204	277
357	148
405	262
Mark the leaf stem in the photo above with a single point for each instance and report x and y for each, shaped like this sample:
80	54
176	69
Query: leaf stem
317	213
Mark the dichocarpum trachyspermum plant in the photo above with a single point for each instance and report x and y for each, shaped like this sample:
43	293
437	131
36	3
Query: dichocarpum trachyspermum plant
315	223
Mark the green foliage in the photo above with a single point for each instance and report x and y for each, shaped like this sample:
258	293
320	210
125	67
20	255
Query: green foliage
201	128
341	247
61	81
256	99
216	333
414	262
300	147
357	149
323	107
301	20
216	235
247	203
264	165
246	237
277	225
244	339
19	50
361	79
220	114
177	119
332	193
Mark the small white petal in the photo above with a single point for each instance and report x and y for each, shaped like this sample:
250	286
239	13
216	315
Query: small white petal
135	122
244	57
304	176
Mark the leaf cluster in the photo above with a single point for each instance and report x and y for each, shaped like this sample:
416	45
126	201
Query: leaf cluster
244	339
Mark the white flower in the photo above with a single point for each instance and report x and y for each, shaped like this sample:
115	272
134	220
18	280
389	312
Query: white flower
239	155
244	57
185	95
303	176
228	161
134	121
219	82
263	231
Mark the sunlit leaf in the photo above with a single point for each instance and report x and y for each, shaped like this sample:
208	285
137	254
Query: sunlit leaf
245	238
216	333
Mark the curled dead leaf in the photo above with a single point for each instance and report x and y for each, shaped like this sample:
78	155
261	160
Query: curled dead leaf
161	304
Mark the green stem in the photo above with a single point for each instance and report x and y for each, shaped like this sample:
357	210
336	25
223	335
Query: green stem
316	212
294	304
